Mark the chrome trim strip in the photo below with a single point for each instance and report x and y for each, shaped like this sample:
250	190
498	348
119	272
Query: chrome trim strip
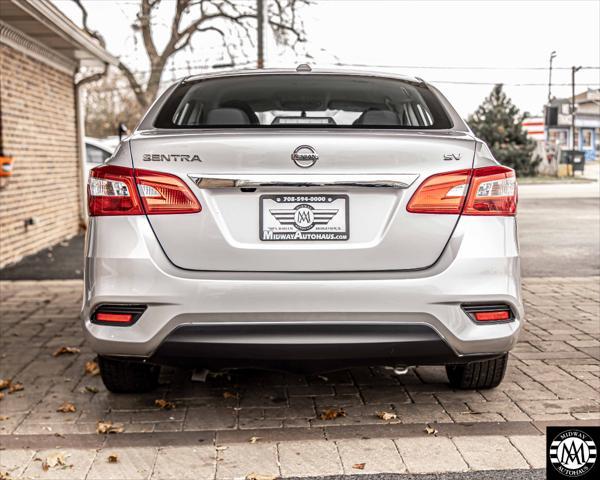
396	181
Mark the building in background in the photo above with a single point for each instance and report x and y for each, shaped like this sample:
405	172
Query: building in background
534	126
587	123
552	132
41	147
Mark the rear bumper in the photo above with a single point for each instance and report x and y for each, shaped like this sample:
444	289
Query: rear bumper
304	347
349	318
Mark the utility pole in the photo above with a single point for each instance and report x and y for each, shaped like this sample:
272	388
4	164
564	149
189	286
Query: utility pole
574	70
260	33
552	57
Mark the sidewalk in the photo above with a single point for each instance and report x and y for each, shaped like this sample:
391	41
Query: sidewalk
268	423
567	189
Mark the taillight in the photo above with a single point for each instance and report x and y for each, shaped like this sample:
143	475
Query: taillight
164	193
480	191
114	190
441	193
111	191
493	191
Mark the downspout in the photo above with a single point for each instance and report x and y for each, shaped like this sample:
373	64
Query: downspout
80	104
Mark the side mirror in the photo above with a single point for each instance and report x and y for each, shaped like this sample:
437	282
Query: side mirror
122	130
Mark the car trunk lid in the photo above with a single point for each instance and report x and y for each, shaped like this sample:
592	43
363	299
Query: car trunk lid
349	206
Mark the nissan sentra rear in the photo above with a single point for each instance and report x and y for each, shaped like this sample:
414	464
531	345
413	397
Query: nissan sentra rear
302	220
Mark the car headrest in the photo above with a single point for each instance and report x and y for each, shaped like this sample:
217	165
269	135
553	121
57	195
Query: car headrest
227	116
378	117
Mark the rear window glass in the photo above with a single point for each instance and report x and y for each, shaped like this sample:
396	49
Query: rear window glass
302	101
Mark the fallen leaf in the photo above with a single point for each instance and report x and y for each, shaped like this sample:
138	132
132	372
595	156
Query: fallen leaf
59	435
54	460
164	404
112	459
66	407
431	431
230	395
386	416
91	368
109	427
323	377
332	413
4	475
258	476
220	448
4	417
4	383
254	439
15	387
63	350
359	466
91	389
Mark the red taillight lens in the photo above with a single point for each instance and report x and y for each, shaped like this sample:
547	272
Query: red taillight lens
493	191
164	193
114	190
442	193
481	191
492	316
114	317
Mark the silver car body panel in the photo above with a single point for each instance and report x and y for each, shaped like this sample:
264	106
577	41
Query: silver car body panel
209	268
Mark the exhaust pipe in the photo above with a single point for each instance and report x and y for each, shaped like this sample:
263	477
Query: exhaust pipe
400	369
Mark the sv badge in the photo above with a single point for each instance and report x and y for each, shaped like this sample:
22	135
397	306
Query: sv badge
452	156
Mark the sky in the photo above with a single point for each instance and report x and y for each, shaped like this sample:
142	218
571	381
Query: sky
462	47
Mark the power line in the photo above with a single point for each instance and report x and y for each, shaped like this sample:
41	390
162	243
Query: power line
452	82
456	67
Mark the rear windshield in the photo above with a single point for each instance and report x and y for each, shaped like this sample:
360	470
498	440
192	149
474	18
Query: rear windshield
301	101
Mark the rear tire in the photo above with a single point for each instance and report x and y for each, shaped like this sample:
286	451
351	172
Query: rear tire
478	375
125	376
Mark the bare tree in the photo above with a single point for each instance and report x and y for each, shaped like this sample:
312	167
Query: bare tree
191	18
109	102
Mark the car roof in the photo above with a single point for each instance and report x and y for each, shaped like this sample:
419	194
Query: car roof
99	143
294	71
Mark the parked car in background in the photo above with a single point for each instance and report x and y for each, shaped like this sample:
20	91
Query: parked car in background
97	151
302	220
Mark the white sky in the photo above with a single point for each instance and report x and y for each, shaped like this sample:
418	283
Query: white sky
414	34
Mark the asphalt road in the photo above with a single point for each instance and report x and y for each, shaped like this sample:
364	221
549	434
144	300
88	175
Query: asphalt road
559	237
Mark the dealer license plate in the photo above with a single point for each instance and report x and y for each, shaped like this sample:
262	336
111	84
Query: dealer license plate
318	217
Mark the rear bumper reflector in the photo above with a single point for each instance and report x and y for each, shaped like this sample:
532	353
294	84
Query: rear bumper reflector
117	315
490	313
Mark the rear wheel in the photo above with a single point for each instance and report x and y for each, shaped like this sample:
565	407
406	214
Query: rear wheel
125	376
478	375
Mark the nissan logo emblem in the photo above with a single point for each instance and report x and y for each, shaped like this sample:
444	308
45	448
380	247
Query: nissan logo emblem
305	156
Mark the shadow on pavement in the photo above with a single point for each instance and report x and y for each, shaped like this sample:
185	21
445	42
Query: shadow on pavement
60	262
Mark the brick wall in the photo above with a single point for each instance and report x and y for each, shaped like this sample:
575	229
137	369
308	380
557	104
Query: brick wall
39	129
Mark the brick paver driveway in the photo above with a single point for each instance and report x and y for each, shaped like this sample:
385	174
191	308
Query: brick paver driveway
237	423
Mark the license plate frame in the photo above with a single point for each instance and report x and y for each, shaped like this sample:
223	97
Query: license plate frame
304	217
